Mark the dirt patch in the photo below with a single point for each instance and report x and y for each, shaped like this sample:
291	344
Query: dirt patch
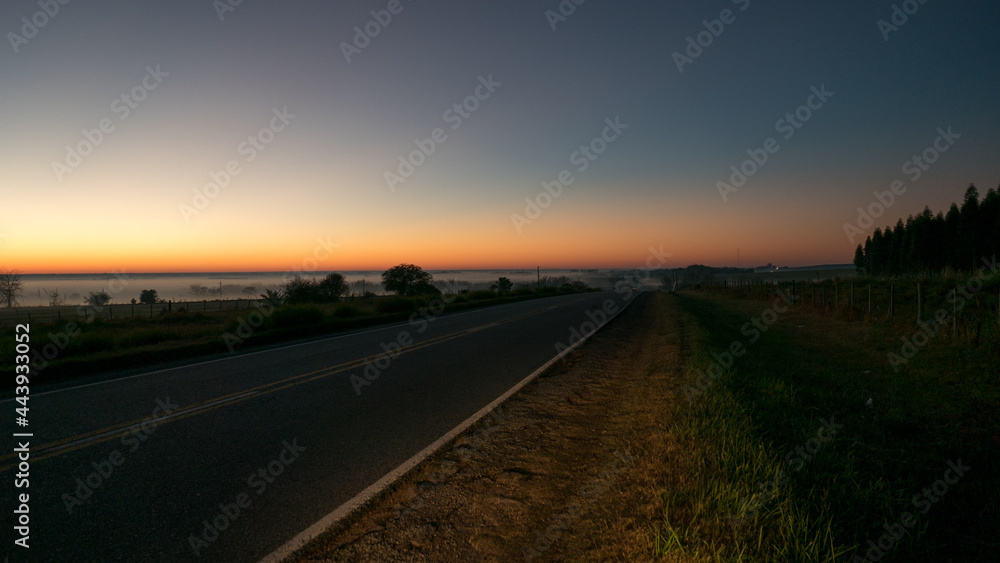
571	468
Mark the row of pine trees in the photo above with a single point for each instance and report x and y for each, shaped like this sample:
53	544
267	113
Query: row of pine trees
929	243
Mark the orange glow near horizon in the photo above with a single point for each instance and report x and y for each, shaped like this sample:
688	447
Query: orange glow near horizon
579	231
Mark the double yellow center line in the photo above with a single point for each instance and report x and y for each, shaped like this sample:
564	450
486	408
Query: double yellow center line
106	434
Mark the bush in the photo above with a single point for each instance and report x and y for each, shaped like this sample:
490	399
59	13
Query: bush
482	294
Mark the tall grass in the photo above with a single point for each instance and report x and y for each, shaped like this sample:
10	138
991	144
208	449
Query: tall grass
742	499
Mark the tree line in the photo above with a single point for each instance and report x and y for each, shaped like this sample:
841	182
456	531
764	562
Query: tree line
931	243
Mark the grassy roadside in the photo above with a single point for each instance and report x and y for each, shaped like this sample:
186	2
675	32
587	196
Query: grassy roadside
785	461
73	348
778	458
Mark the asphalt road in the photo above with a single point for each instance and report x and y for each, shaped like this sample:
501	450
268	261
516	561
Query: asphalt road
131	469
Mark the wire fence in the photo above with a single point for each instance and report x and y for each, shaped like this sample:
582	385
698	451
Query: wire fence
964	306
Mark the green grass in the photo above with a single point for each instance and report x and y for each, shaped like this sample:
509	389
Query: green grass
811	365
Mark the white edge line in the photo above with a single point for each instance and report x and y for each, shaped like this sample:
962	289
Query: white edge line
255	352
376	488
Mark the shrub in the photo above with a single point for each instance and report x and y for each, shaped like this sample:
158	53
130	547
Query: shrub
482	294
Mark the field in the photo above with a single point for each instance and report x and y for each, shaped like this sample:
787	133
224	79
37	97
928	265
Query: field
816	441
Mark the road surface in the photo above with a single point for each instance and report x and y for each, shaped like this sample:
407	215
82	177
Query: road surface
226	460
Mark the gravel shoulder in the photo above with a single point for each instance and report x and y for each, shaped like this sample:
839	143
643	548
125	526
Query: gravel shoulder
570	468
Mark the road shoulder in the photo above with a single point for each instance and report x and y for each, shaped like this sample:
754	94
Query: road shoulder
566	469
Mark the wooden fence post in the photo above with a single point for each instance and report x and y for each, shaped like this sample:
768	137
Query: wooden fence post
891	303
869	299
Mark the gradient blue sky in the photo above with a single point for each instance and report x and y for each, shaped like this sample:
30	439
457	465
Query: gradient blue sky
323	176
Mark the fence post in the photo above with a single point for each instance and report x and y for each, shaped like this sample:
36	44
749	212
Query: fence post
891	300
852	295
869	299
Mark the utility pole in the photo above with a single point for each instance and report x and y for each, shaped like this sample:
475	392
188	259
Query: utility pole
539	283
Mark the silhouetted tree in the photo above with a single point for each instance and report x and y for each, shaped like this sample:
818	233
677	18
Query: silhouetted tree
503	285
148	297
930	243
859	259
11	287
408	279
333	287
98	299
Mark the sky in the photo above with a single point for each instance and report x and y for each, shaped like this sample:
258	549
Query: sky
195	135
